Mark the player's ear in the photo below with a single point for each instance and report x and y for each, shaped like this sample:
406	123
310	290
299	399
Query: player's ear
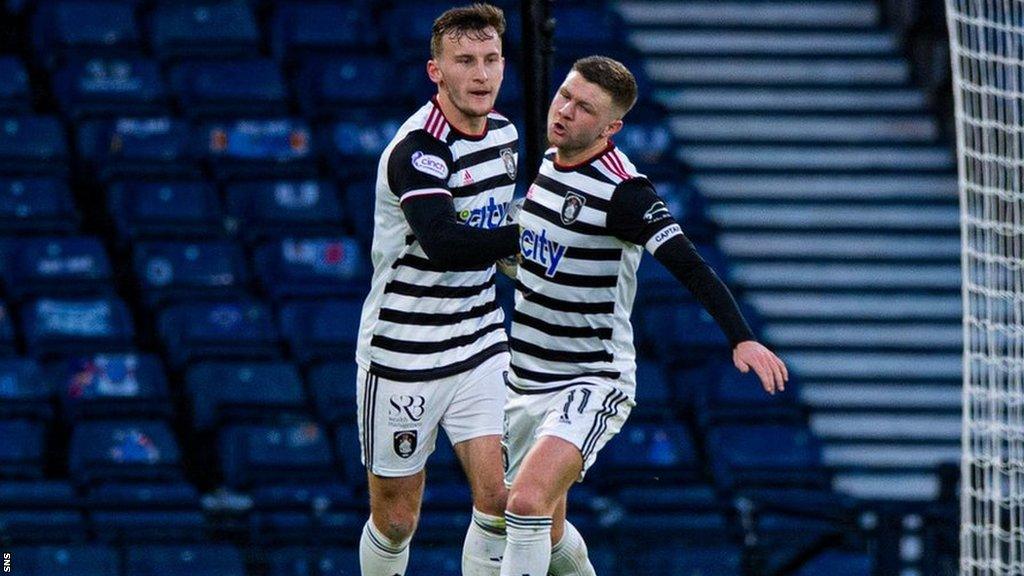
434	71
612	128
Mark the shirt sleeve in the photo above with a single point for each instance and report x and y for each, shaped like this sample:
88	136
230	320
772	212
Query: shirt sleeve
419	165
638	215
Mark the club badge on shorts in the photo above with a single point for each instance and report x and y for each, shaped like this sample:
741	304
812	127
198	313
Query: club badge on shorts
508	157
405	443
571	207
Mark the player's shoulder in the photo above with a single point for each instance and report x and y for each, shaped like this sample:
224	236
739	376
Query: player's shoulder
614	165
496	121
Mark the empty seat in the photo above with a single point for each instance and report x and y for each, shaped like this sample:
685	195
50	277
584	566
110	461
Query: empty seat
15	91
643	451
335	85
299	28
346	441
273	453
174	271
764	455
219	28
689	560
264	148
110	86
296	267
69	326
243	391
332	385
105	451
301	513
320	562
146	147
24	393
161	209
197	560
32	145
83	27
146	512
655	398
285	207
230	87
58	266
239	328
40	511
22	452
839	563
321	329
409	27
358	195
111	386
681	330
439	560
588	27
734	397
7	338
70	560
354	145
41	205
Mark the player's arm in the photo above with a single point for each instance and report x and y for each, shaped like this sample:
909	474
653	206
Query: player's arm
418	171
638	215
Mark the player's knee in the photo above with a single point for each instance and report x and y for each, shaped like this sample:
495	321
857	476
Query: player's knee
398	525
491	500
528	502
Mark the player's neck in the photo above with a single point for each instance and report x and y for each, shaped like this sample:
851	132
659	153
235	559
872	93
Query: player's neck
469	125
566	157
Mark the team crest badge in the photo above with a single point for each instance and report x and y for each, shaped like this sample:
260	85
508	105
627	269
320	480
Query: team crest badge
405	443
508	157
571	207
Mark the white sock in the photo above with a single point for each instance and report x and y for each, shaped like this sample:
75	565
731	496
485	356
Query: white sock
528	551
484	546
378	556
569	556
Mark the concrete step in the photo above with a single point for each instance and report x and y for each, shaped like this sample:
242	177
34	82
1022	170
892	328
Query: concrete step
889	427
924	337
817	158
879	366
923	458
696	42
854	14
793	100
876	72
905	487
853	307
839	276
821	396
820	245
826	129
829	188
821	217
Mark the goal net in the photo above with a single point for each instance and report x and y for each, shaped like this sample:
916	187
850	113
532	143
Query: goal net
987	54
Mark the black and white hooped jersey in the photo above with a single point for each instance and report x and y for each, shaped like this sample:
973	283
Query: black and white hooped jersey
583	229
420	322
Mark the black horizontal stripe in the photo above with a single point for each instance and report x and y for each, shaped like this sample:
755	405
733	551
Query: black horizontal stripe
428	374
564	305
574	280
437	291
586	170
552	355
475	188
548	377
607	254
561	189
426	319
478	157
532	391
425	265
554	218
559	330
407	347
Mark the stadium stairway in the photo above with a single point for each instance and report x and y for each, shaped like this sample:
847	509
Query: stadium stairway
836	202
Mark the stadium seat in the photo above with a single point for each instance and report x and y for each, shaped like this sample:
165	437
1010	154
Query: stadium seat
354	146
734	397
839	563
24	393
409	27
273	453
164	209
588	28
69	326
232	87
346	441
438	561
258	148
40	205
7	337
198	560
303	513
156	147
155	513
681	330
84	27
689	560
333	86
57	266
643	451
239	328
764	455
15	92
296	267
175	271
655	399
111	386
32	145
300	28
243	391
22	453
109	87
321	329
40	511
71	560
284	207
332	385
359	196
218	28
319	562
123	450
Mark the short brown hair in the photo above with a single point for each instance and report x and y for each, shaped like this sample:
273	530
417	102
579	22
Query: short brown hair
470	21
612	76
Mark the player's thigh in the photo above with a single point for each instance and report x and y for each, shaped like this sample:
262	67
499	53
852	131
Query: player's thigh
547	472
395	503
481	460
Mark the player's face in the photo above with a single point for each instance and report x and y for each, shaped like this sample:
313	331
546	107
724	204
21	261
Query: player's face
468	72
582	116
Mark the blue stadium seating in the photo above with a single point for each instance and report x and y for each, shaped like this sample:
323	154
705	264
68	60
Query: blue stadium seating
198	560
645	450
681	330
319	562
69	326
359	196
7	337
234	87
173	271
285	207
322	329
346	441
24	393
684	561
155	513
303	513
327	86
354	146
161	209
143	147
32	145
734	397
23	450
655	398
438	561
41	205
57	266
839	563
409	27
123	450
238	328
40	511
111	386
764	455
219	28
296	267
589	28
73	560
84	27
15	95
332	385
274	453
299	28
110	86
243	391
258	148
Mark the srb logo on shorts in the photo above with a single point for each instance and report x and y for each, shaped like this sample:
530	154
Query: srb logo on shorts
405	443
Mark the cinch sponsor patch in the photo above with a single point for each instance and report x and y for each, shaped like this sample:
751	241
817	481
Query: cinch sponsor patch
430	164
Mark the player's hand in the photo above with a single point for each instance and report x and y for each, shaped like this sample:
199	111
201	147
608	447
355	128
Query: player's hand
768	367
